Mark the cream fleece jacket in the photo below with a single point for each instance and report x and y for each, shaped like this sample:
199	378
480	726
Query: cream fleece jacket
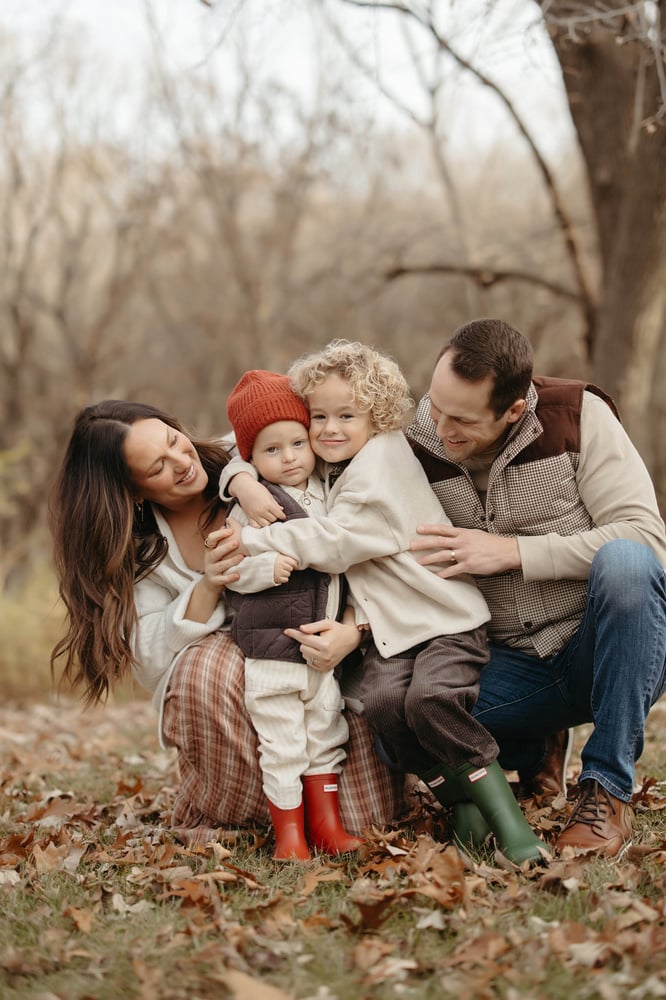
373	510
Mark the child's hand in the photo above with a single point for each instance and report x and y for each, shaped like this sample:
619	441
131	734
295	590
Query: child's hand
258	503
284	567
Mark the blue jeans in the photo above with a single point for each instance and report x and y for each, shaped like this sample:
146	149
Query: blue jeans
609	673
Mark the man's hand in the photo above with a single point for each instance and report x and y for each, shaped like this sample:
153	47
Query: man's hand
465	550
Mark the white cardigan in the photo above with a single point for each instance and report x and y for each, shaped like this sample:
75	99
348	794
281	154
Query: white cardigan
373	510
163	633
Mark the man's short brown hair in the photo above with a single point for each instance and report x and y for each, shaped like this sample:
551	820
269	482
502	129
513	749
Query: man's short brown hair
491	347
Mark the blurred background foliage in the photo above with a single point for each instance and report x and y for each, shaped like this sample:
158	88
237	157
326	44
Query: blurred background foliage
223	219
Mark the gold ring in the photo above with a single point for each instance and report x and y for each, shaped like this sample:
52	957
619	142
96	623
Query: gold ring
452	556
206	544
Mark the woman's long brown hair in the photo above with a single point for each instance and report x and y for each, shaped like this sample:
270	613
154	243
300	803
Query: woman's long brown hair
103	543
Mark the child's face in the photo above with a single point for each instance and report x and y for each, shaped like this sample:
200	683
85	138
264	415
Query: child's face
282	454
338	429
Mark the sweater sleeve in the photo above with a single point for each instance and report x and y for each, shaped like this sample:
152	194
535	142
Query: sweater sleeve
231	469
617	492
163	631
256	573
348	535
365	520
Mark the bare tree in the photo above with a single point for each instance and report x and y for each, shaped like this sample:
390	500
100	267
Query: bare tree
71	258
612	60
254	235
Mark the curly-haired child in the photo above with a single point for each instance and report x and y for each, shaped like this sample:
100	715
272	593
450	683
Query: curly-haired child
421	670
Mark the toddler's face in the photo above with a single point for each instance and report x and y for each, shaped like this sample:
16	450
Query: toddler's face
282	454
338	428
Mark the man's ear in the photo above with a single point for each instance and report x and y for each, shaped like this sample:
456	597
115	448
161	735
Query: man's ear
516	411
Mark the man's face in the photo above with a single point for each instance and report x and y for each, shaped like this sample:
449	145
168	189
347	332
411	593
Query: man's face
460	410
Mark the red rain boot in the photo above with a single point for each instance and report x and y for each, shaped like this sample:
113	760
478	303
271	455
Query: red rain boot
322	815
290	842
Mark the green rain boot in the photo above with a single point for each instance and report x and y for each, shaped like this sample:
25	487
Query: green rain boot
490	791
470	829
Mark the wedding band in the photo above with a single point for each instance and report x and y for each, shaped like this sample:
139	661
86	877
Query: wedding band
206	545
452	556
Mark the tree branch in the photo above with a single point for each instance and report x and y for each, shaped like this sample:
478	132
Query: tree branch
585	295
486	277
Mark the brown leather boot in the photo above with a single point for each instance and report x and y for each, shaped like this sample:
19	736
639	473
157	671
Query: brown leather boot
599	823
551	780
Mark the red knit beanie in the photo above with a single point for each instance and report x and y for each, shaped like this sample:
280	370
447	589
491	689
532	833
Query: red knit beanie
258	399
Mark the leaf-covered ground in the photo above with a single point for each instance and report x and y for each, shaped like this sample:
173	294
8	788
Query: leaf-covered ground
100	901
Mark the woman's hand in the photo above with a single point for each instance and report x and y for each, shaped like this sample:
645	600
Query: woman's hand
258	503
465	550
324	644
220	559
236	529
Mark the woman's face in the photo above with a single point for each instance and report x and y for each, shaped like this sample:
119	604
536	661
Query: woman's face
164	464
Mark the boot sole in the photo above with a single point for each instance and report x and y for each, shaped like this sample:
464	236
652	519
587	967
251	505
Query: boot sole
598	852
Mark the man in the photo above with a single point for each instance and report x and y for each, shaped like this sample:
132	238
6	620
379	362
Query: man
555	514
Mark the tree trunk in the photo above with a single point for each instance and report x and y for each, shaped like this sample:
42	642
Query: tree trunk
613	88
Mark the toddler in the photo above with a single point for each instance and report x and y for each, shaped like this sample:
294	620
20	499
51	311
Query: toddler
295	709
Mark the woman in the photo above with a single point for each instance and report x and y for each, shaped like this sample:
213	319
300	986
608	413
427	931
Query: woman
144	558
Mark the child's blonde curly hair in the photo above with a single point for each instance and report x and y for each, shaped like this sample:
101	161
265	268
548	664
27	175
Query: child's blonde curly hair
376	382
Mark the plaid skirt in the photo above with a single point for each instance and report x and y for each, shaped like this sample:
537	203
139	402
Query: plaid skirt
218	757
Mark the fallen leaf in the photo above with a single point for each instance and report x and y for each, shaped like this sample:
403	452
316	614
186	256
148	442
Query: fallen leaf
49	858
369	951
246	987
83	919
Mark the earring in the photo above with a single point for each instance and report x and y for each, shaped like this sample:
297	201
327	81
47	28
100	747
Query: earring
139	509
